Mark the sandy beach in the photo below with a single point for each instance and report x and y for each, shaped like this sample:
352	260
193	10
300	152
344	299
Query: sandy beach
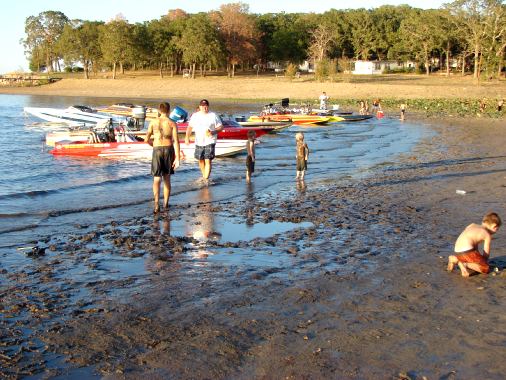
364	295
150	86
385	307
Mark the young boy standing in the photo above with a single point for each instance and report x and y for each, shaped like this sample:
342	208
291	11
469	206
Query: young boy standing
250	160
467	255
302	155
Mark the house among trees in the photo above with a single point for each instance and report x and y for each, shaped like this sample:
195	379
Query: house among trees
379	67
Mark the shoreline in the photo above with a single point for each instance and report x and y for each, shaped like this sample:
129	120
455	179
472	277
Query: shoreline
382	305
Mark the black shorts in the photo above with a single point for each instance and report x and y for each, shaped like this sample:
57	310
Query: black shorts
204	152
250	164
161	162
301	164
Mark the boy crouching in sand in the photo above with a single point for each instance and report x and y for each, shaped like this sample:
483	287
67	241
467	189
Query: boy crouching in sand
466	247
250	159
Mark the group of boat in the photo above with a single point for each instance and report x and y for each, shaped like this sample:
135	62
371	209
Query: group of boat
119	130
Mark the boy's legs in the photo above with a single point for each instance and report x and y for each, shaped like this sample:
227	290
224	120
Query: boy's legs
452	260
463	269
156	192
298	175
166	190
302	174
476	267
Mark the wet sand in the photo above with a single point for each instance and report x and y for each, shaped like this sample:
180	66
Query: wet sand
367	295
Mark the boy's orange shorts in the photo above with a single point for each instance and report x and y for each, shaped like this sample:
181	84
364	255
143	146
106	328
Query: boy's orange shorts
474	257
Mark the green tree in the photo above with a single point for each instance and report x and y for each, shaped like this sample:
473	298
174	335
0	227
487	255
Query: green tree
199	42
421	34
362	32
473	19
116	41
80	43
42	34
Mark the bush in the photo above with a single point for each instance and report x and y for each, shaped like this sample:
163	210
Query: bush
321	70
67	69
291	70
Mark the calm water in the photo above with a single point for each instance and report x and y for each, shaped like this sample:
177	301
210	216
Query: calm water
43	195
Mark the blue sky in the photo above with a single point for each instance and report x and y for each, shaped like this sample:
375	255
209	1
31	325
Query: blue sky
12	20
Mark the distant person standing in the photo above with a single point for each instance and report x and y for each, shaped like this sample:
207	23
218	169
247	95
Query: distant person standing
250	159
206	126
323	100
403	111
301	156
500	104
483	105
162	136
362	108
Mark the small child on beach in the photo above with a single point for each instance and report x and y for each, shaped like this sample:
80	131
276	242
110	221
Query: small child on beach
403	111
250	160
302	155
467	255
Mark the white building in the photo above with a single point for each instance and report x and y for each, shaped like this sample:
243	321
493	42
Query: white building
377	67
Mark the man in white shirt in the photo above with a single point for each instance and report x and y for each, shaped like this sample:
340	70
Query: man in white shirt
323	100
206	126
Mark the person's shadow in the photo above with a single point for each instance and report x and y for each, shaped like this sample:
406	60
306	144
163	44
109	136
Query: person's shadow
498	262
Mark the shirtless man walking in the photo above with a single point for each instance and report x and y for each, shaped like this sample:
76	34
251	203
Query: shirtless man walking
162	136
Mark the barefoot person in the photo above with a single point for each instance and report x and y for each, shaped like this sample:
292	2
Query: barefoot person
467	256
162	136
302	156
206	126
250	159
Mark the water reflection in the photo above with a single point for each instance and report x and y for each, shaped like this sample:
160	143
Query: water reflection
301	186
161	224
250	204
203	228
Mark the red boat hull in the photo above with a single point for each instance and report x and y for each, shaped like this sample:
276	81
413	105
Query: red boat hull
233	130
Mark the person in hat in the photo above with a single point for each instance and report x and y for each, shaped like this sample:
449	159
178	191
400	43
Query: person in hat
206	126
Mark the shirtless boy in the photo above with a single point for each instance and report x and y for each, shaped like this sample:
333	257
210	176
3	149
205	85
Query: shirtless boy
467	256
162	135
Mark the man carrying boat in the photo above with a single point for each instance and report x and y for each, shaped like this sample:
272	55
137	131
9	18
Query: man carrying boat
162	136
206	126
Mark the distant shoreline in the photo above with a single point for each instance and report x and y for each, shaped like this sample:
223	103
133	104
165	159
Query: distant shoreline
420	91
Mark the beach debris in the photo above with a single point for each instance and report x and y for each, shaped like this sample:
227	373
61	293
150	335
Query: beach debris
36	251
461	192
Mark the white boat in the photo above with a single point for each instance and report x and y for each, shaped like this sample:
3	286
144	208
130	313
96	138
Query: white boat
74	115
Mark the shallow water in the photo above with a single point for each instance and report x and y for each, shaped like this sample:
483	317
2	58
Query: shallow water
42	195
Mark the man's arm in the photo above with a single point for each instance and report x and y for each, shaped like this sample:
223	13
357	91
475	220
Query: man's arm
147	139
188	133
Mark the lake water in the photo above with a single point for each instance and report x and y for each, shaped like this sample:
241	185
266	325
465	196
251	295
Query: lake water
42	195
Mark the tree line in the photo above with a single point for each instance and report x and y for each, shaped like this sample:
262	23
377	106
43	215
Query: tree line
470	32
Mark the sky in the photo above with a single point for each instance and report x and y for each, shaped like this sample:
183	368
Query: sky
12	20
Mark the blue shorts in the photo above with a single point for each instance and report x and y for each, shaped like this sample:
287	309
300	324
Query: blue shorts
204	152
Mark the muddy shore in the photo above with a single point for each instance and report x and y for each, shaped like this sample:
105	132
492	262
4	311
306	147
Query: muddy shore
367	295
